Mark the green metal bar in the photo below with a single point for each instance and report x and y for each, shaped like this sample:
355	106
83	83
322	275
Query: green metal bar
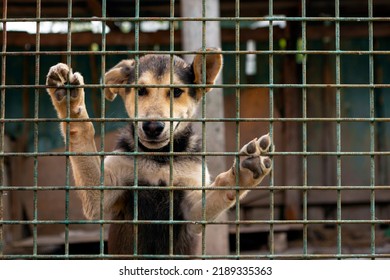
274	188
336	154
372	124
136	47
67	146
201	222
36	130
304	128
240	120
171	110
102	133
247	86
139	19
179	52
207	257
2	125
238	142
204	141
271	127
338	127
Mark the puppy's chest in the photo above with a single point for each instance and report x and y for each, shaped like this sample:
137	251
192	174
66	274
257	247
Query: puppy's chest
183	173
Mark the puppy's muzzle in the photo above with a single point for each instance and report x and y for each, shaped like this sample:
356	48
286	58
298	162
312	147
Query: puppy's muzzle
153	129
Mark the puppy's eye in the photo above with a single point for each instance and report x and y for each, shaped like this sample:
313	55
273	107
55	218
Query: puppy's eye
142	91
177	92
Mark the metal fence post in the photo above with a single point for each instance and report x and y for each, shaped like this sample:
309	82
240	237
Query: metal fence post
2	124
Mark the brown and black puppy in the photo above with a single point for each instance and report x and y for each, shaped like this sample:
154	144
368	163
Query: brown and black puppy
153	132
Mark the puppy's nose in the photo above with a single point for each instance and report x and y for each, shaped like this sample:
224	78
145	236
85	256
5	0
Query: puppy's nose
153	129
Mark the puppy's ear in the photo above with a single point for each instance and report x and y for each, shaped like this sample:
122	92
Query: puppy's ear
213	67
122	73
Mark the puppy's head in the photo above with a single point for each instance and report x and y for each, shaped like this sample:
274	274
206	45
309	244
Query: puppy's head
154	102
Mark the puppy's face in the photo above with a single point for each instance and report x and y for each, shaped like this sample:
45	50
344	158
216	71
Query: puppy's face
152	102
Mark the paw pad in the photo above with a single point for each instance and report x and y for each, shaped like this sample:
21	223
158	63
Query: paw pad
254	165
251	148
253	158
267	163
60	93
264	142
58	79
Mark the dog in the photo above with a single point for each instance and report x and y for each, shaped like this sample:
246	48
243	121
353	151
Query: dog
155	207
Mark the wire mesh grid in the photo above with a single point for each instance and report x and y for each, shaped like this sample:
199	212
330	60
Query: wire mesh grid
304	122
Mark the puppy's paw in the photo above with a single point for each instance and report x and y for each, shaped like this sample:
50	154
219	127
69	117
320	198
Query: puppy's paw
58	79
254	163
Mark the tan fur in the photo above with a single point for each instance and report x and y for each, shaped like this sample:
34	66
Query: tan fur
119	169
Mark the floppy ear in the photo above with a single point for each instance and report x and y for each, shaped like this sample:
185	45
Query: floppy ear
122	73
213	67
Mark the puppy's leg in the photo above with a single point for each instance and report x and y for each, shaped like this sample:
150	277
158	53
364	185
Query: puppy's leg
253	167
86	169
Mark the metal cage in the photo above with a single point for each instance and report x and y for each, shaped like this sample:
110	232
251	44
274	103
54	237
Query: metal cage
317	81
